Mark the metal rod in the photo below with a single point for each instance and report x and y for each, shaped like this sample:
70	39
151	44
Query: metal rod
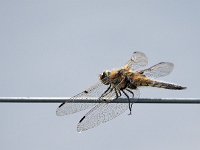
95	100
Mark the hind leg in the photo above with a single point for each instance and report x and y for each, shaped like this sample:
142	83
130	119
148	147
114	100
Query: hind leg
129	104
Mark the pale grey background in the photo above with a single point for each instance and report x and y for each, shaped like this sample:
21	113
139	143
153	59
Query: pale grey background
58	48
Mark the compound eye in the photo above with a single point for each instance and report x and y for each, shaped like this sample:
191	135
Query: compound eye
104	74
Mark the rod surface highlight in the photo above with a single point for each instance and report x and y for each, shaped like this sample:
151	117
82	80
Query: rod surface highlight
95	100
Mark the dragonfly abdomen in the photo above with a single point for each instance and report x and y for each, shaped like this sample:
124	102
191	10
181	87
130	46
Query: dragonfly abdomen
140	80
167	85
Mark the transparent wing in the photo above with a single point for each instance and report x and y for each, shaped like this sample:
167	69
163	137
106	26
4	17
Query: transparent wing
158	70
70	108
137	60
103	112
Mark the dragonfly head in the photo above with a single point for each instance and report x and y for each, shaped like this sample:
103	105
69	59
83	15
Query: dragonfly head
104	77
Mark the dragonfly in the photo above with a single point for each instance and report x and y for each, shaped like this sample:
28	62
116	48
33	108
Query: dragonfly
114	84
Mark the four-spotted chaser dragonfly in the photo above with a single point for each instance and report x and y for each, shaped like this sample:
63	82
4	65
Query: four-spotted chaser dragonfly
122	82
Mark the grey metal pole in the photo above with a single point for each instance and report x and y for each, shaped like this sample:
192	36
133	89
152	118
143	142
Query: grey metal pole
95	100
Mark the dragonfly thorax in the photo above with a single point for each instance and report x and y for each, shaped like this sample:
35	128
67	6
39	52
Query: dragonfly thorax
119	78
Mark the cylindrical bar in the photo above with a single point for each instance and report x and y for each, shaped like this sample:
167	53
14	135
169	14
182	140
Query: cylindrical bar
96	100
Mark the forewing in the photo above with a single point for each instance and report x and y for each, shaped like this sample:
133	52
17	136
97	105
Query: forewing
137	60
159	70
93	92
102	113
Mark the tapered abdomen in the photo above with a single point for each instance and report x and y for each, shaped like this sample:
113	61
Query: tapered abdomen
167	85
140	80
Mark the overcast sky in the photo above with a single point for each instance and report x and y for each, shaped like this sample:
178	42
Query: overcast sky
58	48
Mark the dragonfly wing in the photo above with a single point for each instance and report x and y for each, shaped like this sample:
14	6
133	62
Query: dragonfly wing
159	70
70	108
137	60
99	114
102	113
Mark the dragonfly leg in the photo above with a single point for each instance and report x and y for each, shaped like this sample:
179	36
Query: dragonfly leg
132	95
129	104
117	96
105	92
130	92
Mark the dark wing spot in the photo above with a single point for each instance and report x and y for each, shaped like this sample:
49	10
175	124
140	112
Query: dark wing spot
82	119
61	105
86	92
